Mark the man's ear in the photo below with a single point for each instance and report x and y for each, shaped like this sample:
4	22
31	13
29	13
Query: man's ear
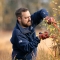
19	19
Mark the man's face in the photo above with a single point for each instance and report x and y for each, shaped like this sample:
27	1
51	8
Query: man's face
25	20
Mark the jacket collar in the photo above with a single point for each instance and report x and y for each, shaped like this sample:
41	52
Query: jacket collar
23	30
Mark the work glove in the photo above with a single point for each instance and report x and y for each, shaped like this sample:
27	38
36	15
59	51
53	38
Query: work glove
43	35
50	20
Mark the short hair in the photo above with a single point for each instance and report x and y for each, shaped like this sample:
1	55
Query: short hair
18	13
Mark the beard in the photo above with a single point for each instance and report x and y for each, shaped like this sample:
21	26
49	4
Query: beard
26	24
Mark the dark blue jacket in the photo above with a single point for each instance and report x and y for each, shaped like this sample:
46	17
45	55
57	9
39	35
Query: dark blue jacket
24	40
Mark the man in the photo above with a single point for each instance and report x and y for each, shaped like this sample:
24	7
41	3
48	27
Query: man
24	40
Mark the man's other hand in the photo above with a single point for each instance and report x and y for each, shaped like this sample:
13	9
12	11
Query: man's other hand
50	20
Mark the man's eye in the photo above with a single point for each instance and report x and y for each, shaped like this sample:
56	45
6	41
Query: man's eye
26	17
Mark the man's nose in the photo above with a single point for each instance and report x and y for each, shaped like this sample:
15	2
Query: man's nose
29	18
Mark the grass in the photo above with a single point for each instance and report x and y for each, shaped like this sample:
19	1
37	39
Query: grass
42	55
5	55
5	52
5	46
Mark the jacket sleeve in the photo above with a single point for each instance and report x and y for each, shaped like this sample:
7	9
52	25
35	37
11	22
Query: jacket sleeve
38	16
24	45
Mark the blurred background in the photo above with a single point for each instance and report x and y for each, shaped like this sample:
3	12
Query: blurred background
8	21
8	8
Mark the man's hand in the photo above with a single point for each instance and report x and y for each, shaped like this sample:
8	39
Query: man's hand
50	20
43	35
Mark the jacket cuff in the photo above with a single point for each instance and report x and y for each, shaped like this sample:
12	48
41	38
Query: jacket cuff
43	13
37	40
